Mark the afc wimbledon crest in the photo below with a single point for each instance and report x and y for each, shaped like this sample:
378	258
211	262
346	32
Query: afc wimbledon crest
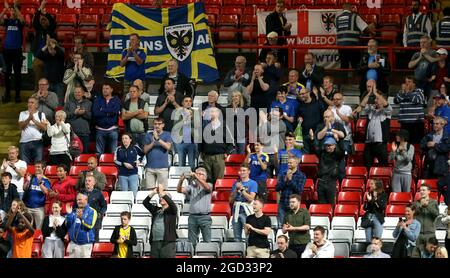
328	21
179	40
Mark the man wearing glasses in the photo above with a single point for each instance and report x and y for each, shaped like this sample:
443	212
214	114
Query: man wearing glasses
198	190
48	101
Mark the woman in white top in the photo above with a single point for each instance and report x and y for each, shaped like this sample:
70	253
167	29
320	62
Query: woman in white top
54	230
60	134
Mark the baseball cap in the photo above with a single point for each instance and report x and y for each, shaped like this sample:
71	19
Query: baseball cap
329	141
442	51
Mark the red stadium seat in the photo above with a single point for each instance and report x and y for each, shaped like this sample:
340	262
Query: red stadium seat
272	3
359	148
395	211
351	2
233	2
270	209
83	158
106	18
355	160
102	250
307	3
38	237
34	3
364	10
390	20
57	2
308	191
50	171
221	209
66	26
326	2
31	170
271	184
231	172
272	197
111	174
400	198
394	128
382	173
248	25
350	185
185	2
106	196
393	10
53	10
257	2
212	20
106	159
221	196
36	250
75	170
356	172
360	130
349	198
112	2
235	159
169	3
321	210
395	2
362	211
217	3
431	182
309	165
224	184
88	26
433	195
91	11
346	210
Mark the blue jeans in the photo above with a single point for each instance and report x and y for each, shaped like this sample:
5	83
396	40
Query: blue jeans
102	137
31	152
129	183
189	150
138	138
197	223
376	230
238	226
58	89
281	214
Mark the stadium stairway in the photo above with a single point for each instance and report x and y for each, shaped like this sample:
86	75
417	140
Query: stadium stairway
9	130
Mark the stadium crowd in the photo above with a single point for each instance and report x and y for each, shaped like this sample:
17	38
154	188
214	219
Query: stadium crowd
265	132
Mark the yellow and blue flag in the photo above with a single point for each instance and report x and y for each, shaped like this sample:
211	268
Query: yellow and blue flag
181	33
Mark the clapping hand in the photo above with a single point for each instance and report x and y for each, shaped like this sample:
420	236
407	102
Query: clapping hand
394	147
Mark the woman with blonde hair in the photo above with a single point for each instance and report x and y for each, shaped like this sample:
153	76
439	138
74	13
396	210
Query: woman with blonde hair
441	253
60	135
234	112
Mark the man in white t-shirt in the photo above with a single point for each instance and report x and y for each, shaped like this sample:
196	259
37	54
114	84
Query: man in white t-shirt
343	114
30	122
16	167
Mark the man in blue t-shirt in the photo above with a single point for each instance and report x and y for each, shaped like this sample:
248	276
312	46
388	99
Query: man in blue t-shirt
442	110
133	59
258	162
157	145
12	52
281	157
35	191
243	193
288	105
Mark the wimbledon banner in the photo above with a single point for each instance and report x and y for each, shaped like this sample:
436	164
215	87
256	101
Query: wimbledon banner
313	28
181	33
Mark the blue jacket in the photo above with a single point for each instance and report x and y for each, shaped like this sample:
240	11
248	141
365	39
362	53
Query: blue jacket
105	114
442	149
412	233
81	231
129	155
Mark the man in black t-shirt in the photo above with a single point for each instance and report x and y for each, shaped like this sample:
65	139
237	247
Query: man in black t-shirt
258	228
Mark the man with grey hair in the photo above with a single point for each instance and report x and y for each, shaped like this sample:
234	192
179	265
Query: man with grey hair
422	63
198	190
213	97
182	84
237	79
48	101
